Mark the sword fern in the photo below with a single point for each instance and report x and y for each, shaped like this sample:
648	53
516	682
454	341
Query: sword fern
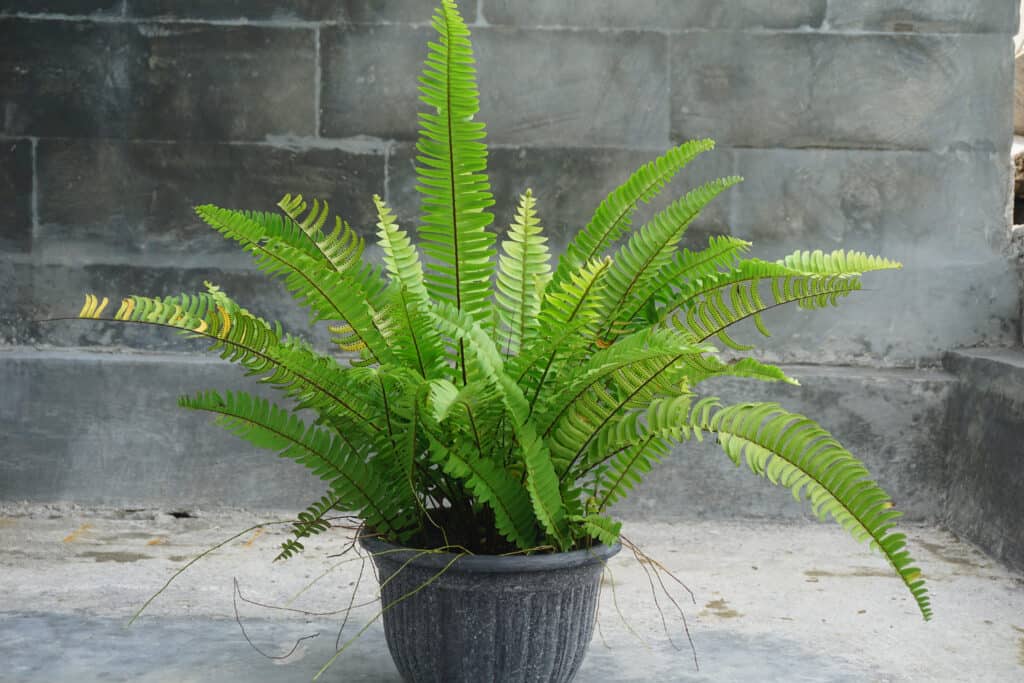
521	396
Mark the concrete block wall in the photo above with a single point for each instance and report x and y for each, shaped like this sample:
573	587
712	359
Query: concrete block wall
855	125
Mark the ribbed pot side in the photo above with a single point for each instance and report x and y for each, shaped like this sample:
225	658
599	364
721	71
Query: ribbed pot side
488	618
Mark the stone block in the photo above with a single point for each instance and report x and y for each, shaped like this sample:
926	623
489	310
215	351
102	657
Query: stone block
262	10
574	88
15	196
537	87
863	91
951	204
658	14
108	201
893	420
369	80
105	428
64	7
569	184
925	16
155	81
942	214
986	495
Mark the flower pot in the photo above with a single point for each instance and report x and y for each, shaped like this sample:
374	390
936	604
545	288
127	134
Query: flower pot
488	618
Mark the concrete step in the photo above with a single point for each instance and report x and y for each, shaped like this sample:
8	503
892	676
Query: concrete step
105	429
771	601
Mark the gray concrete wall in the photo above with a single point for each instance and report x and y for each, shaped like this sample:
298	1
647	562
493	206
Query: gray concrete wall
855	125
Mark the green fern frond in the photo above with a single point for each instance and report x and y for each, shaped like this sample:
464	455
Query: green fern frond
568	311
794	451
541	480
641	365
523	272
451	172
721	254
342	247
839	262
613	216
415	341
603	529
266	425
330	295
626	468
495	487
315	381
310	522
650	249
706	307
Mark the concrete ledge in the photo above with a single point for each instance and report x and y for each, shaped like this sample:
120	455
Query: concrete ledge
104	428
986	428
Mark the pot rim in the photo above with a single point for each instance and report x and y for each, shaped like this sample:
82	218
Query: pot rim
488	564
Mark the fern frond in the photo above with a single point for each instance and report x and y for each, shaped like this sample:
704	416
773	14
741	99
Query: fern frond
794	451
838	262
706	307
310	522
567	313
330	295
614	215
600	528
451	172
315	381
641	365
266	425
417	341
342	247
650	249
492	485
523	272
541	480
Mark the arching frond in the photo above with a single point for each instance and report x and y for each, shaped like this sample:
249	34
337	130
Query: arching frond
342	247
523	273
266	425
314	282
794	451
706	307
315	381
613	217
638	367
649	250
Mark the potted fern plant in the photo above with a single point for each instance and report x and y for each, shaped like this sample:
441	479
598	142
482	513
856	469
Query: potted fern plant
489	410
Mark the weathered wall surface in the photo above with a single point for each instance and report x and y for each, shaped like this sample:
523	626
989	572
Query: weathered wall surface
854	124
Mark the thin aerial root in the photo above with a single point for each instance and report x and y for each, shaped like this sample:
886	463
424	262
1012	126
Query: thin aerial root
238	619
659	569
351	602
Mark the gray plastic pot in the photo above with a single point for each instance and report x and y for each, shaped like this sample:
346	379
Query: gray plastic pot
488	618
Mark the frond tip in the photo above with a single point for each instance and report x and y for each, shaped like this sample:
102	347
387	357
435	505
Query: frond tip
794	451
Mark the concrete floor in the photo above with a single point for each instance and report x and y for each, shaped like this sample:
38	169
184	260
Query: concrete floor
795	602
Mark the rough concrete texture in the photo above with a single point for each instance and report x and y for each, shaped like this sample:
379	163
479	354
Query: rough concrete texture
986	494
121	116
770	602
119	437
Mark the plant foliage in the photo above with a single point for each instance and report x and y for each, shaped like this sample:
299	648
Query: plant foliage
522	398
